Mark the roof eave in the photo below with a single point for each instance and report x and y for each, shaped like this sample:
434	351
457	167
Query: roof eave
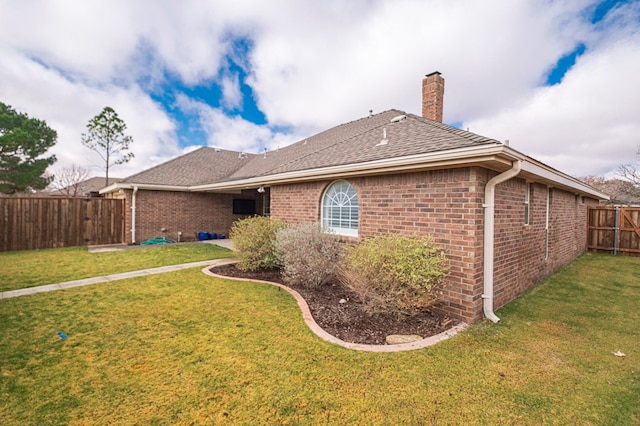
148	186
493	156
554	178
485	154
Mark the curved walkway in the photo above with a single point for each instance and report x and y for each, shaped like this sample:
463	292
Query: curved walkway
113	277
311	323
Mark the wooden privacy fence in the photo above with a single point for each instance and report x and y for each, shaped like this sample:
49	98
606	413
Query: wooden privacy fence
614	230
37	223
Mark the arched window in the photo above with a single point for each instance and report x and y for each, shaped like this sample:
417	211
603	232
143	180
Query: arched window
340	209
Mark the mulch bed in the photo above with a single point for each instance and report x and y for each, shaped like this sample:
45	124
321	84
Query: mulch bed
348	321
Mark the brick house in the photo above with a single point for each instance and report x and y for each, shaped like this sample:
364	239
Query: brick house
506	220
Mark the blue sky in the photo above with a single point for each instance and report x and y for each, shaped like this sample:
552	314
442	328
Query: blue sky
557	78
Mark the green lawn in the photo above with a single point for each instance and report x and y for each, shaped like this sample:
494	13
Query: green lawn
185	348
40	267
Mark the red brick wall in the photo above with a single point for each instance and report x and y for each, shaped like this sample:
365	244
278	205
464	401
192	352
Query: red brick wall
447	204
444	204
187	212
297	203
520	261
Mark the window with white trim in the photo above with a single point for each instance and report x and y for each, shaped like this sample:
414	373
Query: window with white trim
527	204
340	209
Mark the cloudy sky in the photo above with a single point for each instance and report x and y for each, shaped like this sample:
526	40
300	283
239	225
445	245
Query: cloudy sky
558	78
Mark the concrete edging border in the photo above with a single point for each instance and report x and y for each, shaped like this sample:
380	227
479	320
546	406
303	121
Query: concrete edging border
311	323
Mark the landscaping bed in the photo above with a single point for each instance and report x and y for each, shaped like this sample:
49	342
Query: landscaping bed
348	320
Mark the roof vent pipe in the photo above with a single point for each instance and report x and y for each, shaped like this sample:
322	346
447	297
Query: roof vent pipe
489	228
384	140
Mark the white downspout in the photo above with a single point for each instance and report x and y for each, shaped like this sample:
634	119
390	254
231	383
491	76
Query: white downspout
133	215
489	228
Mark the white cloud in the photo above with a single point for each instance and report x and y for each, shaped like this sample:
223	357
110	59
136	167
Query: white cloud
233	132
374	57
67	107
317	64
231	94
588	123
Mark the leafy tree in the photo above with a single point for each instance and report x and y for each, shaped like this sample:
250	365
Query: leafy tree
106	137
23	142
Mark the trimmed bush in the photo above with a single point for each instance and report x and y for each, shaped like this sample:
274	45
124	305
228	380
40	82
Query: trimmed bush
396	274
309	256
253	240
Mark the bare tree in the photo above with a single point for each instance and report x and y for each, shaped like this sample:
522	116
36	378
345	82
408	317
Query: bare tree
69	181
631	171
620	191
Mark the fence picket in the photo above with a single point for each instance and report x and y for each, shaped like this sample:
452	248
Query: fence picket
609	232
36	223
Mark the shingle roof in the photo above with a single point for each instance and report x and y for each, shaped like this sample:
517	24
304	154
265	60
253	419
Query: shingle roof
95	184
199	167
350	143
358	142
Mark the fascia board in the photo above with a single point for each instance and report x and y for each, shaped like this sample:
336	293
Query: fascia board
143	186
565	181
110	188
496	153
463	156
552	176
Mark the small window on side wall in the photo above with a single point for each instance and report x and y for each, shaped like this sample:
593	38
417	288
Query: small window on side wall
527	205
340	209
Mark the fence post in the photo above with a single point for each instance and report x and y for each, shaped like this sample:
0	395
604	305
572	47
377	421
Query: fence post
616	231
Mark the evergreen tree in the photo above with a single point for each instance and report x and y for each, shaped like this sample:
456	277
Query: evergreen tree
106	137
23	142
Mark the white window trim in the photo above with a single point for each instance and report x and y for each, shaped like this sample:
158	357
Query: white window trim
527	204
349	232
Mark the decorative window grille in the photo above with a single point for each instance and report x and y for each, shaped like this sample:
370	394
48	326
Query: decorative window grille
340	209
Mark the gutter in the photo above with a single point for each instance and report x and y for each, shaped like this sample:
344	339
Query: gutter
133	215
489	228
492	156
440	159
151	187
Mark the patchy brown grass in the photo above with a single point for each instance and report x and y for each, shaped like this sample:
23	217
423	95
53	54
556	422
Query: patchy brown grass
184	348
40	267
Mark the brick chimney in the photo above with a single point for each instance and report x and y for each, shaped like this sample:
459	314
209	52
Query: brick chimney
433	96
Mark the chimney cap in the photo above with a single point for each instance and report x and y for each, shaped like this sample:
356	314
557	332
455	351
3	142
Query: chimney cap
434	73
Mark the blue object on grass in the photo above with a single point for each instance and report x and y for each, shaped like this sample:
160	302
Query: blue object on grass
158	240
62	335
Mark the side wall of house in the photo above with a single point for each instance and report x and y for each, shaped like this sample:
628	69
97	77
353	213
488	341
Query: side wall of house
448	205
522	255
444	204
189	213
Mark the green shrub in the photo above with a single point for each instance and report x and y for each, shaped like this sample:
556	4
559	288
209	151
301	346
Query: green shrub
396	274
253	240
308	255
